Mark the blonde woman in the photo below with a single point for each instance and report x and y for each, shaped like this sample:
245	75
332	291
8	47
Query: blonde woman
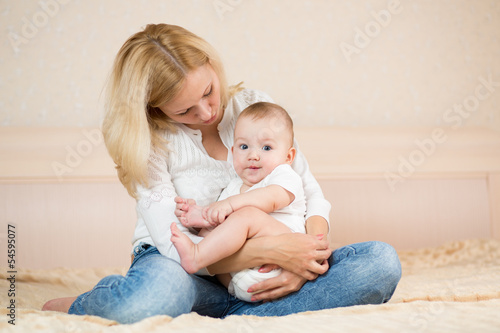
169	124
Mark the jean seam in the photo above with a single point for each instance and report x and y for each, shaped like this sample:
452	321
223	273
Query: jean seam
97	287
353	249
229	303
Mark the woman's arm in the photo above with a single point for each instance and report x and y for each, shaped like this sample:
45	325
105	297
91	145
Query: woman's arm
288	282
294	252
317	225
317	205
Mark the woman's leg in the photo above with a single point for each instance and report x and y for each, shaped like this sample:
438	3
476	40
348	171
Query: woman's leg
154	285
363	273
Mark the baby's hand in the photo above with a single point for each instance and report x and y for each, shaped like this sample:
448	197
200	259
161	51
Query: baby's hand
218	211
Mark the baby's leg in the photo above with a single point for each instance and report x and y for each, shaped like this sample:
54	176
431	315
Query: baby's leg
226	238
225	279
204	232
186	248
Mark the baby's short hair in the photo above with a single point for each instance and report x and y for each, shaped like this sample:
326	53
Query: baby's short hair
267	110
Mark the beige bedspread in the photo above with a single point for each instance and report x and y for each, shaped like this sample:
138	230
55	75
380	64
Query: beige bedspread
452	288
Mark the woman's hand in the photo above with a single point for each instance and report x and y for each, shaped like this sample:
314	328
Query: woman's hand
301	254
282	285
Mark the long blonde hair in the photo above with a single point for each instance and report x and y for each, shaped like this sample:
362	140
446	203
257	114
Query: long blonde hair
149	70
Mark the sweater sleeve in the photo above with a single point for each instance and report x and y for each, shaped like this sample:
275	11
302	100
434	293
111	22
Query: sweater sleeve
315	200
156	208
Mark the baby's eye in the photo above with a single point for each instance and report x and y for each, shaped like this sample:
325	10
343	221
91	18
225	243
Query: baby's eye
243	146
266	148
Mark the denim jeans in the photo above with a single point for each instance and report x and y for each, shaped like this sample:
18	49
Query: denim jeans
363	273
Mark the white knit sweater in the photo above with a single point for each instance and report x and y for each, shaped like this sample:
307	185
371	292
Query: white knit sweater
188	171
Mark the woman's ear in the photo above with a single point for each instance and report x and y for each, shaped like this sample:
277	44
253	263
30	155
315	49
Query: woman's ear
291	155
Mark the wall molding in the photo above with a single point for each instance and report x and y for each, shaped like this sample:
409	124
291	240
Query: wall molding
78	154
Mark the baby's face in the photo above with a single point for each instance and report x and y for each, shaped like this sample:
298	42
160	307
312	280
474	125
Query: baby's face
260	145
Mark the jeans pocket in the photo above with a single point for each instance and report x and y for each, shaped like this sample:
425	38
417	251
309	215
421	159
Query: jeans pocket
140	250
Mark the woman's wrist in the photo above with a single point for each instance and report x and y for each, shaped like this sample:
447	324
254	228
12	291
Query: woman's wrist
317	225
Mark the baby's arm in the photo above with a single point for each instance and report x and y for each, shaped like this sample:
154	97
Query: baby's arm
268	199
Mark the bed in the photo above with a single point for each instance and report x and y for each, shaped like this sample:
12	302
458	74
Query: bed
437	201
451	288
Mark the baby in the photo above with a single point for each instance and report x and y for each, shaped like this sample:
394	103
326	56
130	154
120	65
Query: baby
267	199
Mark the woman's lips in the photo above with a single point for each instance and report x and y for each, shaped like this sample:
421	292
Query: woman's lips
211	120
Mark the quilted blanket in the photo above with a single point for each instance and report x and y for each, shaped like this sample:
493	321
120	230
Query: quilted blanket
451	288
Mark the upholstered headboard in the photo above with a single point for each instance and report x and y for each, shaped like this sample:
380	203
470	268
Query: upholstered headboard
410	187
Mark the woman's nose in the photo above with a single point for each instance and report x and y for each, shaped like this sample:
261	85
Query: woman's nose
205	111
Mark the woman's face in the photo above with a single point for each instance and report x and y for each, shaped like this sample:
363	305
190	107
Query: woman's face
198	102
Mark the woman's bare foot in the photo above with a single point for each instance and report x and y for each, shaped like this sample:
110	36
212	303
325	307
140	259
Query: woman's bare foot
186	248
59	304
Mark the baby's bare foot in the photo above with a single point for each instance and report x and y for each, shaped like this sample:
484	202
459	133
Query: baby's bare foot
186	249
193	218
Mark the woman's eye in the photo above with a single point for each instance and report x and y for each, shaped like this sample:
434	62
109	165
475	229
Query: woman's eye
243	146
208	93
267	148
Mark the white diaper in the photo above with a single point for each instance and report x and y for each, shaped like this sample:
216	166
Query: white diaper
246	278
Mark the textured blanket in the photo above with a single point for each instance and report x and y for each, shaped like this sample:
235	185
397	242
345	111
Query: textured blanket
452	288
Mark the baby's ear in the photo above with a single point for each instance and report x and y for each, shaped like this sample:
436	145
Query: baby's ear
291	155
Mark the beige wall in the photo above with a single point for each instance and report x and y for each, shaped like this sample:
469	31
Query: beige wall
407	68
350	69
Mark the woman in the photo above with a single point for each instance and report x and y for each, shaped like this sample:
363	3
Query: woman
169	123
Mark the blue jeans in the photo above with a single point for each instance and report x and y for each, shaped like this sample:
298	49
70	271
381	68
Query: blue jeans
363	273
